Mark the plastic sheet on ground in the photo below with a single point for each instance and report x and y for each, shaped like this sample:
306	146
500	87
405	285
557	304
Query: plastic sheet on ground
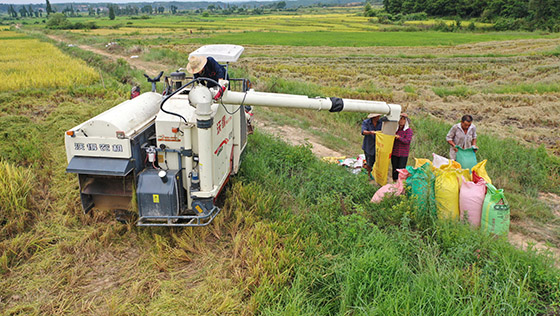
354	165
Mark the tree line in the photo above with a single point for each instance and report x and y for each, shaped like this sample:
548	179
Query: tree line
506	14
24	12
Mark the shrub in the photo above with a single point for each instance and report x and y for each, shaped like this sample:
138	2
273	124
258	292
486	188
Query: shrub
58	21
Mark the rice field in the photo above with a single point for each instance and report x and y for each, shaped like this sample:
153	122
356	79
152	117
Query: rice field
295	236
26	62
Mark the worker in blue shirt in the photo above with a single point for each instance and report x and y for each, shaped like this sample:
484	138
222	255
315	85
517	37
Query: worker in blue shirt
370	127
206	67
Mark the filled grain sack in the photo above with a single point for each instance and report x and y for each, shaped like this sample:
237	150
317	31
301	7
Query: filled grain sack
471	199
421	183
495	212
396	188
480	169
447	193
383	150
466	157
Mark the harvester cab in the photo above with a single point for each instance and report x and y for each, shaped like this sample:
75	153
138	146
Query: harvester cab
170	155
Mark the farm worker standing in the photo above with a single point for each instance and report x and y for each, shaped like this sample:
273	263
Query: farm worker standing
370	127
463	135
401	146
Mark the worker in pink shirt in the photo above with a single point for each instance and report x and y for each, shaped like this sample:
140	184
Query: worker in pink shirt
401	146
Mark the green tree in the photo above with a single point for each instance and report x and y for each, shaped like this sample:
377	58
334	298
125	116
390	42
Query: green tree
111	13
12	12
173	9
368	10
49	8
147	9
393	6
23	12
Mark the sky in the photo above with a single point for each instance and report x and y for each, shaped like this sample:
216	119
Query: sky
20	2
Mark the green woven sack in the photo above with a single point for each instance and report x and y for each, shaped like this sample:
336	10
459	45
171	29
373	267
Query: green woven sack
495	212
466	157
421	182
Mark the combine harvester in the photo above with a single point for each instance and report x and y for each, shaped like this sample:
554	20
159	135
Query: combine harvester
170	155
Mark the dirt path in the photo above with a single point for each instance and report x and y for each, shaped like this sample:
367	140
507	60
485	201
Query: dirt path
296	136
150	68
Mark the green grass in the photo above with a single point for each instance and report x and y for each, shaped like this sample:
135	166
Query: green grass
375	260
525	88
359	39
460	91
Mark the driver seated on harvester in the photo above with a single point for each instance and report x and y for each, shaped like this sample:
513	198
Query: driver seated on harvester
207	67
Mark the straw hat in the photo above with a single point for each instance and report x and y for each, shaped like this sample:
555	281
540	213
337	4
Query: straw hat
196	64
372	115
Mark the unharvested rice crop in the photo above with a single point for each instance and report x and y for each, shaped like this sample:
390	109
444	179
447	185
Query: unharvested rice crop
30	63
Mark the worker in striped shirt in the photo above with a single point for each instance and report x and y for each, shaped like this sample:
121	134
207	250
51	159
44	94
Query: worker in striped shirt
401	146
463	135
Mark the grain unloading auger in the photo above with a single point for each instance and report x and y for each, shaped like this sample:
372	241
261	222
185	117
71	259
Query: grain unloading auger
169	156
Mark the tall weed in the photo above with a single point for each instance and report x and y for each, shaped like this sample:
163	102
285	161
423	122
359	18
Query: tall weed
16	184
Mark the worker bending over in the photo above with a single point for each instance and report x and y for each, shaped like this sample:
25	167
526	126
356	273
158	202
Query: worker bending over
463	135
206	67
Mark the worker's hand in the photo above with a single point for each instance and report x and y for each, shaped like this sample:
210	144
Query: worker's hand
397	136
456	149
475	148
220	92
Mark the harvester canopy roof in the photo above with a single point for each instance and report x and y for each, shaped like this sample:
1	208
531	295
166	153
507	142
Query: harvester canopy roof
223	53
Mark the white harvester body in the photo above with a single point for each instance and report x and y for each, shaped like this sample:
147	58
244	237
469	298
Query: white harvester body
174	153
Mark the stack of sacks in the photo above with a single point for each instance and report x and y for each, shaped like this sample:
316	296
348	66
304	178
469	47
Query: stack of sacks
445	189
395	188
449	180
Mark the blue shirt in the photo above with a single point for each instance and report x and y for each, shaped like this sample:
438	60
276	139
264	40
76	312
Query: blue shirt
212	70
369	140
